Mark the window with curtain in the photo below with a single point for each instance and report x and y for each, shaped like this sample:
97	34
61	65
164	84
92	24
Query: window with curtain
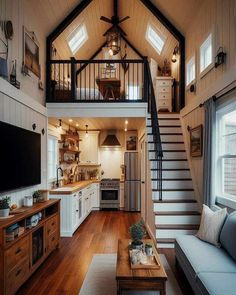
226	152
52	157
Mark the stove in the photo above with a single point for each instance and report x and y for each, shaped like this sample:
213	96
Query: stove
110	193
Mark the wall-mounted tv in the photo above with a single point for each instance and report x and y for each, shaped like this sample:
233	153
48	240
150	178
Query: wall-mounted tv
20	153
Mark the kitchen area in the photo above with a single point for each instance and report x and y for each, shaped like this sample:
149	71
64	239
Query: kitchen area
94	164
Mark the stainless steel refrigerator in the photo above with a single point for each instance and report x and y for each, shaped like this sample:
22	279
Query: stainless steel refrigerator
132	194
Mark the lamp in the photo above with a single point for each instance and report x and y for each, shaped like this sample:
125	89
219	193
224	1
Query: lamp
113	41
175	52
220	57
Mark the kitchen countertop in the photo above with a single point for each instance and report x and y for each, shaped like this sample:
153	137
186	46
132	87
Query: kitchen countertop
71	188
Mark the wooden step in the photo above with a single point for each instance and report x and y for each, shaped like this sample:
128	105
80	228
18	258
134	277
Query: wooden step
176	213
173	179
169	160
165	241
175	201
174	190
177	169
178	226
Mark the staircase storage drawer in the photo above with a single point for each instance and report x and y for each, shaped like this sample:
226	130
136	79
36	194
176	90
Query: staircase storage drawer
16	276
164	89
164	96
52	241
164	82
163	103
17	253
52	225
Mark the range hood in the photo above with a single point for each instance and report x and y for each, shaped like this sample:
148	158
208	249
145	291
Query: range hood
111	141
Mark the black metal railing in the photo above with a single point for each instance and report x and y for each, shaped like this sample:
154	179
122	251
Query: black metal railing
97	81
152	109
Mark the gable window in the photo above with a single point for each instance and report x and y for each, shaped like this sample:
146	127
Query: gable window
155	38
206	54
52	157
190	71
226	152
77	38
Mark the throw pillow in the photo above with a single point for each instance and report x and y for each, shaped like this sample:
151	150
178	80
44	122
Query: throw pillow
227	236
211	224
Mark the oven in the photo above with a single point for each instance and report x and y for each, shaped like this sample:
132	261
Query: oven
110	194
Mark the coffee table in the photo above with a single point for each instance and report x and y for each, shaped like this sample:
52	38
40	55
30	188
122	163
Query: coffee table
137	279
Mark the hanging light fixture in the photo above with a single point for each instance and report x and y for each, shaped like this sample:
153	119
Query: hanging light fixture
113	41
175	52
86	130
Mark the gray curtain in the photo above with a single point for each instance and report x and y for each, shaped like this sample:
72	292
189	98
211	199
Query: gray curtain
208	152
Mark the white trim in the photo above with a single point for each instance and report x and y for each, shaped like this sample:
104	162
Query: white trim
7	89
226	201
193	57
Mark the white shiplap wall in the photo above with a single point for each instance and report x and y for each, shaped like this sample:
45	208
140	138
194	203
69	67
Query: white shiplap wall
16	109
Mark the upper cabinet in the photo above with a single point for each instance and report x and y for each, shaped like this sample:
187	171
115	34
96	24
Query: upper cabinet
89	147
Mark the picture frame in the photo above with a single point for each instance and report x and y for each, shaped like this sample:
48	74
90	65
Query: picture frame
31	52
196	141
131	141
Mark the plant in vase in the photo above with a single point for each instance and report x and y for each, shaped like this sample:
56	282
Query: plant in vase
137	232
5	206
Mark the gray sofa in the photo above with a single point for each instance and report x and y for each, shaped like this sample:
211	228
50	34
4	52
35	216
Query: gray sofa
210	270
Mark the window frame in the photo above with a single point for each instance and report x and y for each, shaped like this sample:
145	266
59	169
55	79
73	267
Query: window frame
222	198
209	67
136	91
73	35
159	34
52	137
188	84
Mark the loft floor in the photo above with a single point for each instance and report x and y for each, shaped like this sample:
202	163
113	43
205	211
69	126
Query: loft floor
65	269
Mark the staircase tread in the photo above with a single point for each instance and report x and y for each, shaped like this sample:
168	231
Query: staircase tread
168	118
178	213
183	169
165	240
169	160
175	190
173	179
170	151
177	226
168	133
175	201
168	142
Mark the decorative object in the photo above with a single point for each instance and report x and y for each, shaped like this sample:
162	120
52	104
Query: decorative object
28	201
34	126
31	53
192	88
175	52
5	206
211	225
13	79
125	66
220	57
196	141
131	140
166	70
148	249
137	232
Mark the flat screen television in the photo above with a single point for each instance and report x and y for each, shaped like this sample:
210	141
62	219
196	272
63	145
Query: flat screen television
20	152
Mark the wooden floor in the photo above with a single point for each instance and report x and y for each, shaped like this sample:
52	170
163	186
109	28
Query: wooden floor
65	269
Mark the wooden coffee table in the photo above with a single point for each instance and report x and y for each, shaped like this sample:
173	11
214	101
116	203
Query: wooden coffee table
137	279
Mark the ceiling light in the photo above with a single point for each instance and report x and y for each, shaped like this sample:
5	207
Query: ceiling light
175	52
77	125
70	120
126	122
125	129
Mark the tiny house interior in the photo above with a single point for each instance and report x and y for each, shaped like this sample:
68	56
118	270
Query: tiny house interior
118	123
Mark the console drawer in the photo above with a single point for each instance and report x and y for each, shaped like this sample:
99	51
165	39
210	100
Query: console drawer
52	241
52	225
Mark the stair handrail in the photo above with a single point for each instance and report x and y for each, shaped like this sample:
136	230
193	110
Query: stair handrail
152	109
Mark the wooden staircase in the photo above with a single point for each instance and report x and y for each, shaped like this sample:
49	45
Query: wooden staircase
177	212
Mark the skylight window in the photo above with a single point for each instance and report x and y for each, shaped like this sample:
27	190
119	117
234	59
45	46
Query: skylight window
155	38
77	38
206	54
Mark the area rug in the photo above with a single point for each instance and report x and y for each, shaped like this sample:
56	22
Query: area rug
101	278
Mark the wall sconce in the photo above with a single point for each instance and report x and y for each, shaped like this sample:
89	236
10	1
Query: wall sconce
220	57
86	132
175	52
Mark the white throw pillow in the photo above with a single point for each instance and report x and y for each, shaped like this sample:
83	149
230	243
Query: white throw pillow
211	225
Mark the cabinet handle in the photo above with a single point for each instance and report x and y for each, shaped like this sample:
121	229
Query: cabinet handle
18	272
18	251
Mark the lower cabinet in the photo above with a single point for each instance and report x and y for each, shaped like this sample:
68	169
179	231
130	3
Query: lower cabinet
76	207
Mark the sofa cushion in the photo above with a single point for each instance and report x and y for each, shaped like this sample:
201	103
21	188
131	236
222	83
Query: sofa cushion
203	257
227	236
211	225
217	283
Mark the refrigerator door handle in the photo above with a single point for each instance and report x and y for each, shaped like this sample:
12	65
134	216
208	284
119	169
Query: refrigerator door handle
124	172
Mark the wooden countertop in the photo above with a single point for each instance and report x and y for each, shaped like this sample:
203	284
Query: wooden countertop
71	188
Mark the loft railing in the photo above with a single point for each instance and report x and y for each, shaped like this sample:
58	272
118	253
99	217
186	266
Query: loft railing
152	109
97	81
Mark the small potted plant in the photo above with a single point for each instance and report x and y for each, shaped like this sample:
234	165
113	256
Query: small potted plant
5	206
137	232
148	249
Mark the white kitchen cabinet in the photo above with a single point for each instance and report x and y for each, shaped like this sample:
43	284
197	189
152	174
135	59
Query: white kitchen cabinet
89	147
95	196
163	92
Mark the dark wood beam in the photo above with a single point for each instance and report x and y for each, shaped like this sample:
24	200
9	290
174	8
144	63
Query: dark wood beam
69	19
91	58
179	37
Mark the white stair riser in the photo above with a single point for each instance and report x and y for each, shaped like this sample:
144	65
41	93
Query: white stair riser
169	155
175	207
165	245
168	138
169	123
177	195
170	129
168	116
172	146
177	219
174	184
173	233
170	165
172	174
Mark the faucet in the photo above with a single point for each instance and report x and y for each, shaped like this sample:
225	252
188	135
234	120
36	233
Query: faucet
59	168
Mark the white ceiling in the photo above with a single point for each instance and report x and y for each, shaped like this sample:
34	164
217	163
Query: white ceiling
101	123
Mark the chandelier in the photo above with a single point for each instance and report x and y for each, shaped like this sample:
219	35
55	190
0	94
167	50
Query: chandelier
113	41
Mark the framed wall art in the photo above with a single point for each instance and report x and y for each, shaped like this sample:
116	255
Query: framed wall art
196	141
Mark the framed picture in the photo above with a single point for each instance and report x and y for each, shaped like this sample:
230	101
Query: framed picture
131	141
31	53
196	141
